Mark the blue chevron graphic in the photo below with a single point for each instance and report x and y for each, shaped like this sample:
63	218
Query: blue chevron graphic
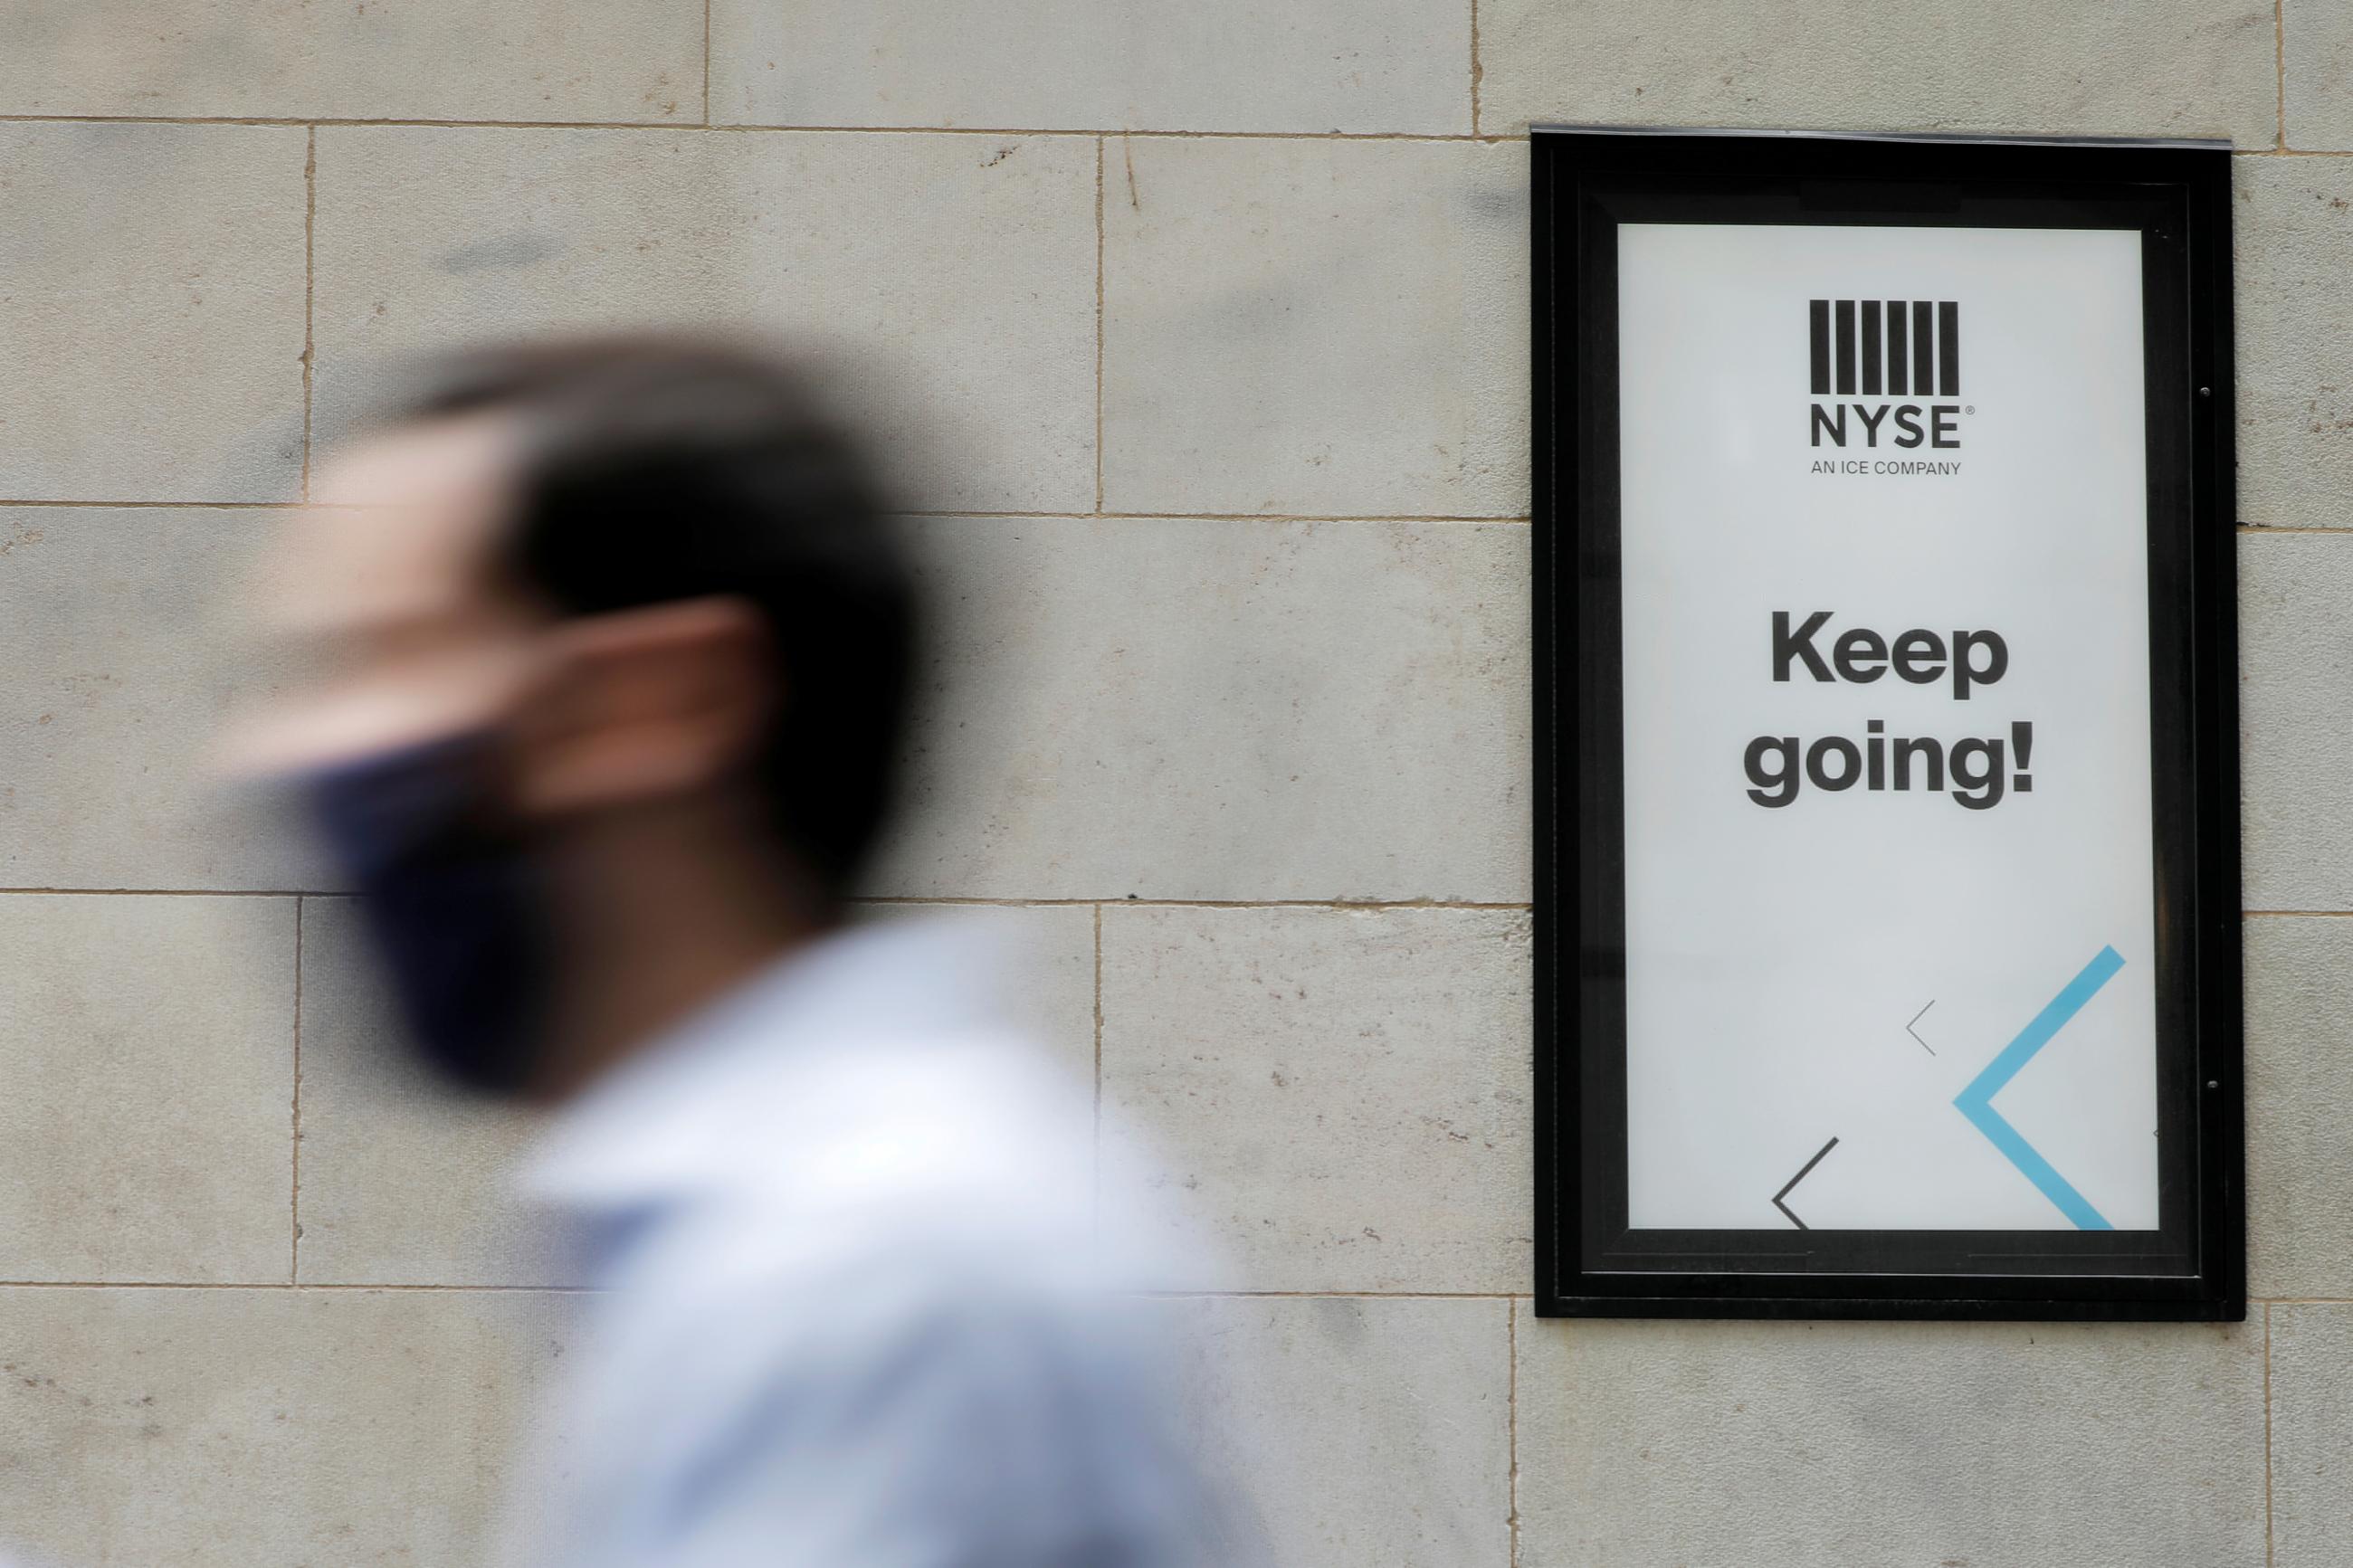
1976	1102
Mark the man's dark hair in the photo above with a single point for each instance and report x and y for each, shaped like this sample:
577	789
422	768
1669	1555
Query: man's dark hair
662	469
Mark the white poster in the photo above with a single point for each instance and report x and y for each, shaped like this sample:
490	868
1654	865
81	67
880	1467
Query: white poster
1889	909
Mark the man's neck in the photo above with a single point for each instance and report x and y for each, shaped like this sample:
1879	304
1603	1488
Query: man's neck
657	919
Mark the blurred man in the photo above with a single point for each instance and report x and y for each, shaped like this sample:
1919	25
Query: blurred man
615	650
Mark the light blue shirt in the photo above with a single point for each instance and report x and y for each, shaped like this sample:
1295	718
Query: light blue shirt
854	1311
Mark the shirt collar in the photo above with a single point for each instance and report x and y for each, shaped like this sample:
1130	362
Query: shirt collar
689	1110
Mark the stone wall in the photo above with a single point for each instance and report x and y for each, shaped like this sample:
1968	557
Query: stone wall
1217	314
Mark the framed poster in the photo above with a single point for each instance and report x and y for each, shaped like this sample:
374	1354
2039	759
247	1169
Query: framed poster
1887	877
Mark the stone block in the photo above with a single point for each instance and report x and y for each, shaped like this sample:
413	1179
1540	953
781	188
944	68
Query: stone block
2294	243
2171	68
2312	1435
1720	1444
2295	672
385	59
1358	1432
1316	328
120	628
2317	75
231	1429
152	313
1196	709
148	1046
1079	65
1339	1098
944	284
2299	1014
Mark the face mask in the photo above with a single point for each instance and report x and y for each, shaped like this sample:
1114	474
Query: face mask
452	903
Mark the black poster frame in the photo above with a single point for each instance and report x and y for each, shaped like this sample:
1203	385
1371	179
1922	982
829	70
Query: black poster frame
1589	1263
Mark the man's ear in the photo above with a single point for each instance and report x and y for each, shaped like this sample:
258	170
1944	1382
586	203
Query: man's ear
636	705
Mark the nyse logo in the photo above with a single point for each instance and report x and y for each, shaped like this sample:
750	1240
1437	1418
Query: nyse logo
1886	363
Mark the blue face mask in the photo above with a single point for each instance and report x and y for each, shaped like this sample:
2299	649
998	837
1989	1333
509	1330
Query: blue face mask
452	901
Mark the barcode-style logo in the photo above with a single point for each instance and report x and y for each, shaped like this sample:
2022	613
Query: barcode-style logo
1873	349
1886	372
